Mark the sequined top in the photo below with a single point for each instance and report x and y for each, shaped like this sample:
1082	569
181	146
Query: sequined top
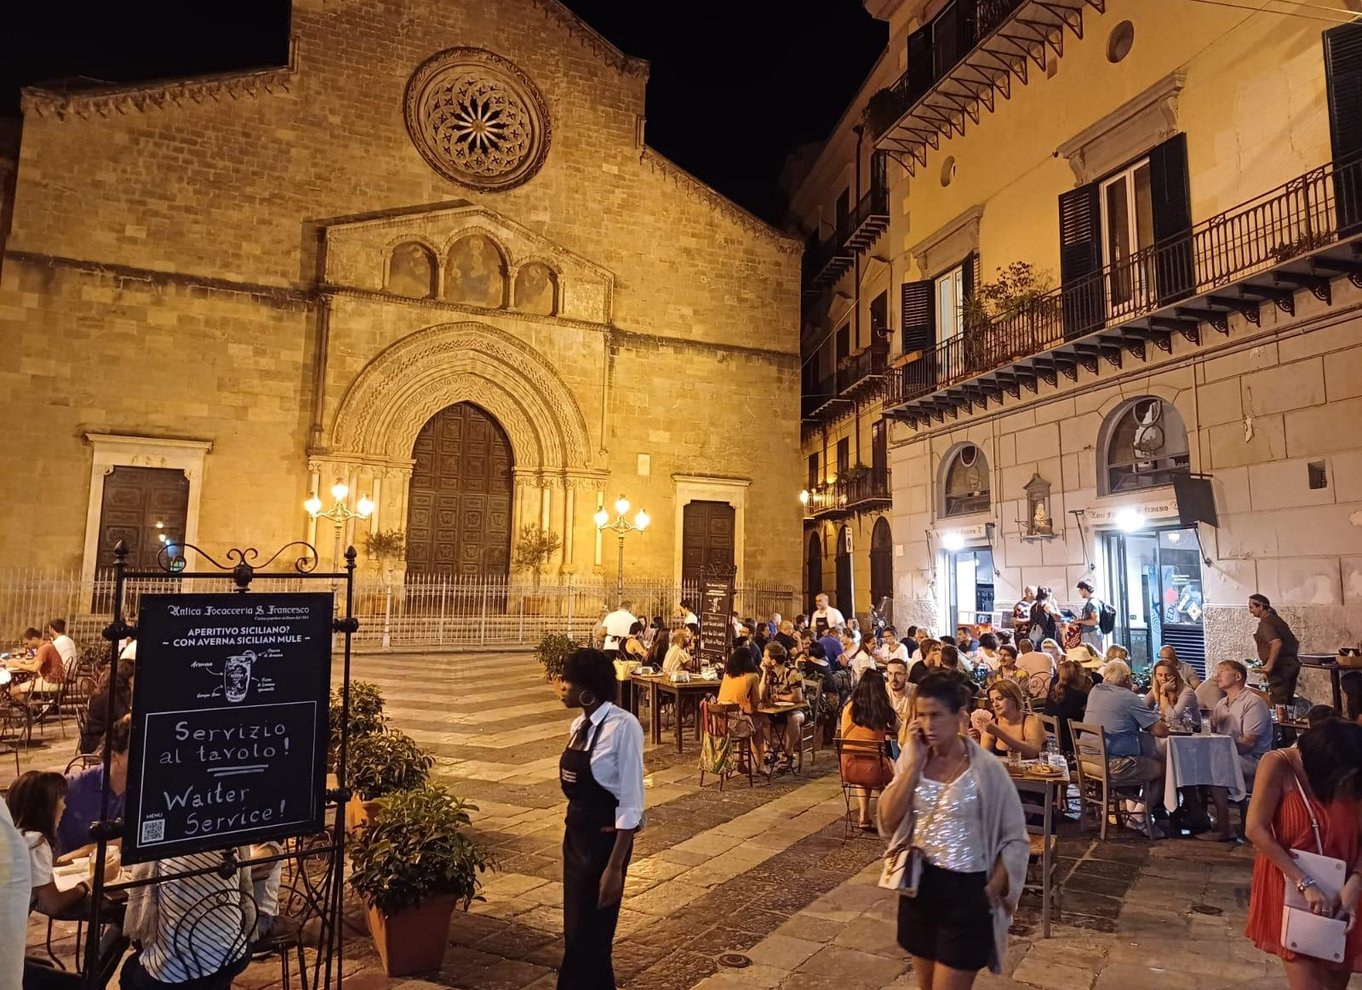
950	833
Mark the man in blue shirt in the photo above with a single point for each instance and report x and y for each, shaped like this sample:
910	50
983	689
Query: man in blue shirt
832	646
83	794
1129	726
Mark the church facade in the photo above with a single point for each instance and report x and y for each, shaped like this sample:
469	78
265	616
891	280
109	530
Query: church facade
431	258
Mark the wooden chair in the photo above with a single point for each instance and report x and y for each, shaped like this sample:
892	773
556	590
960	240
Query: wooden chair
1095	788
728	755
1043	860
808	732
859	762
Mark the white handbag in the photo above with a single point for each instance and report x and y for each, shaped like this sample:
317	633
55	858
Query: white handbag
1303	931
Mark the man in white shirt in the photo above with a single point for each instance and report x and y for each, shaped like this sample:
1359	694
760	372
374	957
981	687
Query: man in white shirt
900	695
687	614
66	646
825	613
617	625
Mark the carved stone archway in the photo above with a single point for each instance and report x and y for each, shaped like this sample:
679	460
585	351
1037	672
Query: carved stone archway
385	407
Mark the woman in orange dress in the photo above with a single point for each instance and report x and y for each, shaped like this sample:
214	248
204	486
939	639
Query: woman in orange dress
868	719
1325	770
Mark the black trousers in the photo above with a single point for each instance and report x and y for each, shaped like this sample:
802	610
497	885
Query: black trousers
1281	683
588	931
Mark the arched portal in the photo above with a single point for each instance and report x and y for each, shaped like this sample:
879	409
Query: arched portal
881	562
813	570
459	506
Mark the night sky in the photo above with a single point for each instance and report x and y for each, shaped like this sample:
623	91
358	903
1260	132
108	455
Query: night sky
735	85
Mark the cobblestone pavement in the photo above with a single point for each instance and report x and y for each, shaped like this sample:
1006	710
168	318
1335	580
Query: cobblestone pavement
764	872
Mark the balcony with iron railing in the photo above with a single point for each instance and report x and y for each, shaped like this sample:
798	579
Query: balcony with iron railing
827	261
958	69
862	489
856	376
1300	235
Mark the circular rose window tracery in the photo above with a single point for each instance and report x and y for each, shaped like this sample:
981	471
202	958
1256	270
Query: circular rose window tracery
477	119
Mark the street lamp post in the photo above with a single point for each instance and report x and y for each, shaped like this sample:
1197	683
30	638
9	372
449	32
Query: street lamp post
340	513
622	526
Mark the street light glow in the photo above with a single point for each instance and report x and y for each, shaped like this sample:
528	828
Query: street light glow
621	505
602	517
339	491
1130	520
804	497
953	540
313	505
365	507
642	520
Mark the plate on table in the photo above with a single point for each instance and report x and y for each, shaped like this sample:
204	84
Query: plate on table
1044	770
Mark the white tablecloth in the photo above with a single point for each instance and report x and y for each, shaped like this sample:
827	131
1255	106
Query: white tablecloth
1202	759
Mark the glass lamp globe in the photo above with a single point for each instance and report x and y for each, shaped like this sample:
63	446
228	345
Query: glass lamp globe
339	491
602	517
365	507
642	520
621	505
313	505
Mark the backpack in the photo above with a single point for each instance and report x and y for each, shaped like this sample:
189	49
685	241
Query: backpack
1106	618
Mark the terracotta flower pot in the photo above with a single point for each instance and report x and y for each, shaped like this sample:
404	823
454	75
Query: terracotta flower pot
413	940
358	811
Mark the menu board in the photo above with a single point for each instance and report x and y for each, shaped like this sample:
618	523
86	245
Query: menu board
229	722
716	626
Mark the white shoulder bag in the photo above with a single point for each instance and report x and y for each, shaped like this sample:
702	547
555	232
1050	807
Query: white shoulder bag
1303	931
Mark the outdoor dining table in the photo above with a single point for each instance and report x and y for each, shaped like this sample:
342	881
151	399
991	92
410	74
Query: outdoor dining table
1329	662
657	685
1204	758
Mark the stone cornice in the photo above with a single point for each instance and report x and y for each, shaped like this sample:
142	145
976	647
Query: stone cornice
109	99
1132	128
950	244
663	165
593	40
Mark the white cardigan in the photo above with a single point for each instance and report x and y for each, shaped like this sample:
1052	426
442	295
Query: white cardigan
1003	829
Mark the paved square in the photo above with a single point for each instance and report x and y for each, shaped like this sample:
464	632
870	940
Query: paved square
761	871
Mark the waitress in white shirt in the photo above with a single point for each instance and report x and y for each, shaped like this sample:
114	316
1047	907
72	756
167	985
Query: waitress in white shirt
601	772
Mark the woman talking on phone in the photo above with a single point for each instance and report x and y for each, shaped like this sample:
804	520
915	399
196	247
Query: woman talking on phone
601	772
955	807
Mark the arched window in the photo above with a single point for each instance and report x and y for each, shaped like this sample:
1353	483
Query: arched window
813	569
411	271
966	482
476	273
845	594
536	289
1144	446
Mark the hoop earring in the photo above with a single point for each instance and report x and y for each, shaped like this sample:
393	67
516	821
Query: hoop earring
584	696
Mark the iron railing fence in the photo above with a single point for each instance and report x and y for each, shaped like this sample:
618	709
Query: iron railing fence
1305	214
846	494
397	611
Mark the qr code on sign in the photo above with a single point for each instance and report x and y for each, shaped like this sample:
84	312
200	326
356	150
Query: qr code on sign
154	830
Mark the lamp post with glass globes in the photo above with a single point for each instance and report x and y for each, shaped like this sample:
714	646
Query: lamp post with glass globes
340	513
623	527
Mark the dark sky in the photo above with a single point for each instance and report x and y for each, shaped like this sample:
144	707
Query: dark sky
735	84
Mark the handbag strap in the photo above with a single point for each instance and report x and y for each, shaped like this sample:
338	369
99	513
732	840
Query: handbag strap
1309	810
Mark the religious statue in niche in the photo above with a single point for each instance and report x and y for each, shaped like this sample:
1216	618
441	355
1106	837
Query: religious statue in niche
475	273
1039	522
411	271
535	289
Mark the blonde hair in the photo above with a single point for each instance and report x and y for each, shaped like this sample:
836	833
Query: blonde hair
1115	652
679	636
1010	690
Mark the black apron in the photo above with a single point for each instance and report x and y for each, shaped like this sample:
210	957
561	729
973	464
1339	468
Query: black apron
588	840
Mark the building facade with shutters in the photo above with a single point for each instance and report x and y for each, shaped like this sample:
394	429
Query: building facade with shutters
1127	322
433	258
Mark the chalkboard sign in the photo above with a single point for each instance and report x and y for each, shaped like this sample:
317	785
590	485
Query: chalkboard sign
716	626
229	722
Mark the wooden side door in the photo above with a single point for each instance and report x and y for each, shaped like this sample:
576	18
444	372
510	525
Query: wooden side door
707	537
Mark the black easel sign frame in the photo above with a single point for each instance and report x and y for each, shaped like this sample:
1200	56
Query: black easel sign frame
229	721
716	616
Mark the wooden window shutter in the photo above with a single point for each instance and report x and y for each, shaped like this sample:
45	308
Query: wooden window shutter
969	274
919	316
1080	260
1171	195
1343	81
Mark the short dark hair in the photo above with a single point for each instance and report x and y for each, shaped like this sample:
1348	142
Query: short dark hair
736	664
1009	649
32	802
1086	585
1331	754
58	626
911	632
1258	599
1318	715
591	669
779	652
1351	683
817	650
950	655
31	633
945	688
120	734
636	628
988	641
685	603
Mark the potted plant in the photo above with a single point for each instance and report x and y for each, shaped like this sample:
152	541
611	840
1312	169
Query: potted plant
380	765
1012	302
534	548
552	650
387	547
882	110
366	714
413	867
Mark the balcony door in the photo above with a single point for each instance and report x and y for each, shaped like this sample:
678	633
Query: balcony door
1127	235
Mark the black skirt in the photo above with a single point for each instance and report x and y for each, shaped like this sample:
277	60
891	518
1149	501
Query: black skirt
949	921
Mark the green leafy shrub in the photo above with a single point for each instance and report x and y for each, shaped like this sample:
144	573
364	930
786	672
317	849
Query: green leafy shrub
552	650
384	763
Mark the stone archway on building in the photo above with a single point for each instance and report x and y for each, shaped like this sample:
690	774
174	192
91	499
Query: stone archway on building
377	425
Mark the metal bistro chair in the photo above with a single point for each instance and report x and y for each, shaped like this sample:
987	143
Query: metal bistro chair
721	753
11	730
808	732
1094	780
861	765
1044	852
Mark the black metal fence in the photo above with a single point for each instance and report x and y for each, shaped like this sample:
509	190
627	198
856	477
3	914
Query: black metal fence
1303	215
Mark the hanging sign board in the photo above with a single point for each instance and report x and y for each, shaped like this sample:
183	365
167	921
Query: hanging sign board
716	626
229	722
